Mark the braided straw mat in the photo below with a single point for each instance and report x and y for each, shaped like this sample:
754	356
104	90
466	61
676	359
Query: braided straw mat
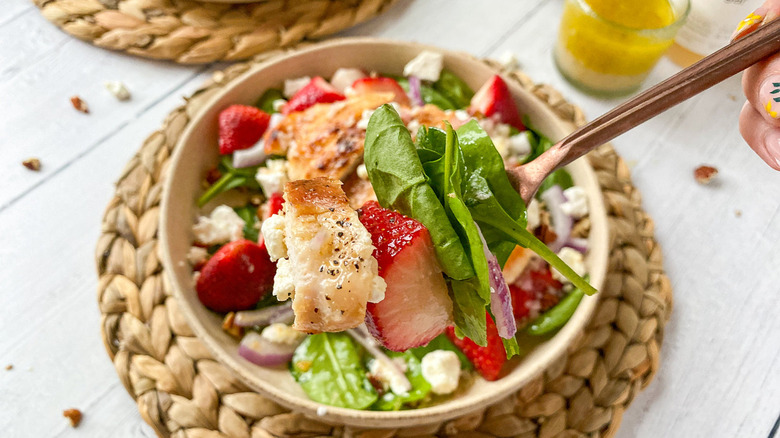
192	32
182	391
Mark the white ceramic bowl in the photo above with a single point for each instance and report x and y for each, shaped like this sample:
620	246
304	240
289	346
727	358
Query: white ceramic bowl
197	152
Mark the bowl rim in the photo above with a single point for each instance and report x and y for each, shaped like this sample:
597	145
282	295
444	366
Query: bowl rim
446	410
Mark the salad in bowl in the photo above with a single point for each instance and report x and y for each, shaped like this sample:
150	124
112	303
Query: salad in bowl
359	244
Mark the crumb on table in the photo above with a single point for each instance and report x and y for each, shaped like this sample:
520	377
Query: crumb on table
32	164
74	415
79	105
705	174
9	367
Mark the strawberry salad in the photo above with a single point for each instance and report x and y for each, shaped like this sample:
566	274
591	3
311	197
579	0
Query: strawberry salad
362	232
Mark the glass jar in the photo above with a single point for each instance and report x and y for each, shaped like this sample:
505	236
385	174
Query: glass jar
607	47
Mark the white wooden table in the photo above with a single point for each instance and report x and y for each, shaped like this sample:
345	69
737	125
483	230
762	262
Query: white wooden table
720	375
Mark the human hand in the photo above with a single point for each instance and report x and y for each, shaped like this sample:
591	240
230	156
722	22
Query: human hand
759	122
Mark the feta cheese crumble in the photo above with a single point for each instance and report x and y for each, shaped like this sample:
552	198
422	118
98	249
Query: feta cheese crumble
380	369
365	117
197	255
223	225
532	214
284	280
278	104
518	147
273	176
427	66
362	173
576	204
118	89
441	368
282	334
574	259
273	236
291	86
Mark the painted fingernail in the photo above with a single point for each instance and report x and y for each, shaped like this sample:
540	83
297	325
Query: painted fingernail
749	24
772	149
769	94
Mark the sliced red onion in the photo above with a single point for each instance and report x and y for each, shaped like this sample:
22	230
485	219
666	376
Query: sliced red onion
260	351
578	244
414	91
344	77
500	298
364	338
266	316
562	222
256	154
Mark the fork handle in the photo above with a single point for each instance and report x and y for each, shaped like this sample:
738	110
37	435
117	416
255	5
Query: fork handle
724	63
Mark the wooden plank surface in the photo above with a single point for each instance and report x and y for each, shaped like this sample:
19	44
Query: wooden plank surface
720	375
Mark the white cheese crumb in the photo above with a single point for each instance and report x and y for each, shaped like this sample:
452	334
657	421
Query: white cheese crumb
574	259
345	77
284	285
278	104
427	66
273	236
377	290
508	60
576	204
291	86
322	411
282	334
118	89
462	115
362	173
223	225
441	368
363	122
532	214
197	255
413	127
381	370
273	176
518	147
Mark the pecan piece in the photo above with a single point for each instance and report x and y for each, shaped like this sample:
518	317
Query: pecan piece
74	415
704	174
79	104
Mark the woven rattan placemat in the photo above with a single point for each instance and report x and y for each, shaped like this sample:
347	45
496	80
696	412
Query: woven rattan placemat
182	391
193	32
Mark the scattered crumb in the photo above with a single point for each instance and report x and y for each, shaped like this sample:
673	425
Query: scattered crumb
74	415
738	213
322	411
32	164
79	104
732	97
118	89
9	367
705	174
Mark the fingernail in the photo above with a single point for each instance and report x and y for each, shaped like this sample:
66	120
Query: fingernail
750	23
769	95
772	148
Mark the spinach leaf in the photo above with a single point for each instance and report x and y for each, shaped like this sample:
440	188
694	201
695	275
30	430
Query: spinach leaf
454	89
397	175
266	101
249	214
329	368
442	342
231	179
429	95
559	177
420	387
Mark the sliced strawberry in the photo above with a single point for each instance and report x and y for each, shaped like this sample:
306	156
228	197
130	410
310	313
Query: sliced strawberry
536	289
488	360
236	277
275	204
240	127
382	85
417	306
494	98
318	90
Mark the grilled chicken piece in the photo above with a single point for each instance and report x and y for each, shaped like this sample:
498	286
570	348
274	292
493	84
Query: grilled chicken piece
358	190
325	139
330	271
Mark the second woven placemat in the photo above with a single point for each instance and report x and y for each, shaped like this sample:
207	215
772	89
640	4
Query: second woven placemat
193	32
182	391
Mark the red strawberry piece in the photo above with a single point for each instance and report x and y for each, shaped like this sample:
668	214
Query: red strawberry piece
487	360
382	85
494	99
536	289
240	127
236	277
318	90
275	204
417	306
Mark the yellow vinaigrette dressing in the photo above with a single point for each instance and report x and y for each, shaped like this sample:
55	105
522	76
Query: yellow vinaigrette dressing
609	46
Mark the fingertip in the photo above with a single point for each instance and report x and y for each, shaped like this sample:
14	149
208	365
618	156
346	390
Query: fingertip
763	138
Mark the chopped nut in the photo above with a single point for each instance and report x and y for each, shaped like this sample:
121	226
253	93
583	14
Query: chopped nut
9	367
738	213
544	233
74	415
704	174
213	175
79	104
32	164
118	89
229	326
